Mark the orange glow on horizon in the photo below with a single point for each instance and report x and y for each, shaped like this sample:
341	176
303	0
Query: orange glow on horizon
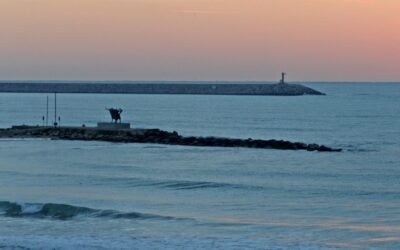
200	39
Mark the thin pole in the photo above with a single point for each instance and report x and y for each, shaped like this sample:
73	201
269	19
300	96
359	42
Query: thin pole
47	111
55	109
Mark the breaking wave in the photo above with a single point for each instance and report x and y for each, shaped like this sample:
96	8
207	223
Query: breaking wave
66	212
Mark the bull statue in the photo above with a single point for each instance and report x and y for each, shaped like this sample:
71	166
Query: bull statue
115	114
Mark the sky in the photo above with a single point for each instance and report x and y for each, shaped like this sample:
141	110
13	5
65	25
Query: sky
311	40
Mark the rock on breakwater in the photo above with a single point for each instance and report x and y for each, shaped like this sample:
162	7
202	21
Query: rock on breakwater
156	136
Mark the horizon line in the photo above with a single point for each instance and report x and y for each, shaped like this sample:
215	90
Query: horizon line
188	81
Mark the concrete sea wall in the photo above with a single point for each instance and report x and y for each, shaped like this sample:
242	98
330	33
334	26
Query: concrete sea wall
206	88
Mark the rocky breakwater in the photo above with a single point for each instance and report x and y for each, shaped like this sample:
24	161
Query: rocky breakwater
156	136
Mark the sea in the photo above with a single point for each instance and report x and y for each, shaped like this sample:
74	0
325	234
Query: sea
57	194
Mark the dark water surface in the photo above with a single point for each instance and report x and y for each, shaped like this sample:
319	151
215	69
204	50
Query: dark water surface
99	195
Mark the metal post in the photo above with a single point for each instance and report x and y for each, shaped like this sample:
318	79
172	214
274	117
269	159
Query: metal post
55	109
47	111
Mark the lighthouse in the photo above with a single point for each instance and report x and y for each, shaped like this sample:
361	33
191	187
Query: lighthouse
283	78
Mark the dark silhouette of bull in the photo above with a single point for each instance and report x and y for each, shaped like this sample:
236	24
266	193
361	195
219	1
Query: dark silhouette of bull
115	114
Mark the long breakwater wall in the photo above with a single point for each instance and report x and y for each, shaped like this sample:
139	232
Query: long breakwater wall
205	88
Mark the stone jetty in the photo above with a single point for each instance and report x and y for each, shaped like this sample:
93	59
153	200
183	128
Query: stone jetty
184	88
156	136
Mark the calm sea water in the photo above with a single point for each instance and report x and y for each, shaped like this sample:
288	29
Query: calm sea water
98	195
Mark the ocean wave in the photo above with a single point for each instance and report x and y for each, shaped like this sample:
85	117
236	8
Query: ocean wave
194	185
362	150
139	182
176	184
359	148
66	212
23	139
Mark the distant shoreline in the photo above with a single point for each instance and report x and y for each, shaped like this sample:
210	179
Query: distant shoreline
185	88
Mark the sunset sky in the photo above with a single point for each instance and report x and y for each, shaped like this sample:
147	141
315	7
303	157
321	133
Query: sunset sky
317	40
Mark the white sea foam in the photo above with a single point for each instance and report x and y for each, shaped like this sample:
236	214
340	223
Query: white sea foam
27	208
